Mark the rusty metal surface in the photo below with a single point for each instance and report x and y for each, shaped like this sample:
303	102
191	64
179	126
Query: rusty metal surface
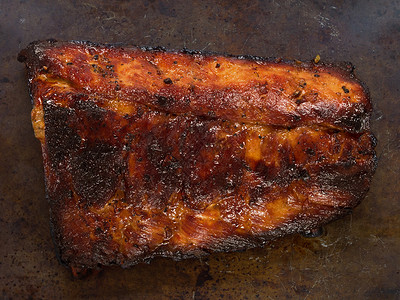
356	257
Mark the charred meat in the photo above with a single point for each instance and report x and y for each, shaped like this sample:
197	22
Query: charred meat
149	152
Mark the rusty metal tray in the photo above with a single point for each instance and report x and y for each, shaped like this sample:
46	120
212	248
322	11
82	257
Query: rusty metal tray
356	257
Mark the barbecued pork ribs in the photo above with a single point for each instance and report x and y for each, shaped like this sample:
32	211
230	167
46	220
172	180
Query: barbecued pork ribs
149	152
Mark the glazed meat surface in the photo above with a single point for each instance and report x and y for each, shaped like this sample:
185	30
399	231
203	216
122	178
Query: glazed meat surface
149	152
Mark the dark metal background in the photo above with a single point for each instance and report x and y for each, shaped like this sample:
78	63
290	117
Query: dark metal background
358	257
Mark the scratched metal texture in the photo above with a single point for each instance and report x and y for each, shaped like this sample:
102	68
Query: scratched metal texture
356	258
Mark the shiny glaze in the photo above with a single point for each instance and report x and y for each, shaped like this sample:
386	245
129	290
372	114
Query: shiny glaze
140	170
243	90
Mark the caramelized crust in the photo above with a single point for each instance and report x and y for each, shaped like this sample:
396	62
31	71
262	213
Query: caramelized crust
234	88
149	152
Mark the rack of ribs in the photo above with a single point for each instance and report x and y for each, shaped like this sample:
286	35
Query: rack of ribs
149	152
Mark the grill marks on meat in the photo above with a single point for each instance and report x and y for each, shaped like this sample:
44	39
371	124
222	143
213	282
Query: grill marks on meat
149	152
